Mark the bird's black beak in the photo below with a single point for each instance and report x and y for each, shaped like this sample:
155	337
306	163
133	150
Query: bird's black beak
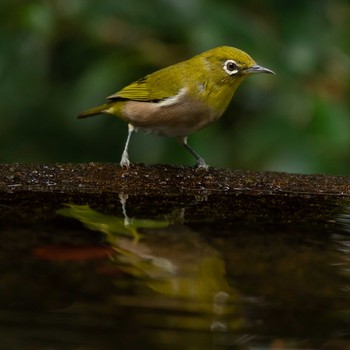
257	69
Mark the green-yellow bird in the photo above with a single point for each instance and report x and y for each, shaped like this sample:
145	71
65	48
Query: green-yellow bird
180	99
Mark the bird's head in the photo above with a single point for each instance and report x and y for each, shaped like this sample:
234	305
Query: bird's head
229	65
217	73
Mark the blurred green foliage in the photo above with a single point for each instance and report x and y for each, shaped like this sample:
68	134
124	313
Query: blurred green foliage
59	57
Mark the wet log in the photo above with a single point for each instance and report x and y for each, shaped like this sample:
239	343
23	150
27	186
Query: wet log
32	191
139	179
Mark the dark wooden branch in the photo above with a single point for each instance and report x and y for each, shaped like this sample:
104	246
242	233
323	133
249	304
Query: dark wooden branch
29	192
96	178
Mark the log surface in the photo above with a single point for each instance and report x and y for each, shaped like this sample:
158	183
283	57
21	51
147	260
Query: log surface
32	193
139	179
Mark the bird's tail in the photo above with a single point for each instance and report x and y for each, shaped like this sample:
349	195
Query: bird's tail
94	111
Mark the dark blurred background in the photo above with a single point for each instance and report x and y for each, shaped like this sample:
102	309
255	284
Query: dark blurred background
61	57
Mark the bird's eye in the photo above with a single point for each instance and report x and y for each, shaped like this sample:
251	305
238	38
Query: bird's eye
230	67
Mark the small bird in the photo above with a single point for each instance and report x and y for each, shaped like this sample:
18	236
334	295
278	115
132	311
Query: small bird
180	99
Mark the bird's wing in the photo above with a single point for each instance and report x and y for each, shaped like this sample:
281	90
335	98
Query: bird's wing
151	88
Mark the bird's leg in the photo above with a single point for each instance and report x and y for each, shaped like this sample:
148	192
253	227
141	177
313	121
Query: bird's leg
125	162
201	164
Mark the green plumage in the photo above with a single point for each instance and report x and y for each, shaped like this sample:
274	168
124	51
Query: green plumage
183	98
93	111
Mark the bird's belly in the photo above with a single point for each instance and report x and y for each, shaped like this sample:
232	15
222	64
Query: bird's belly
180	119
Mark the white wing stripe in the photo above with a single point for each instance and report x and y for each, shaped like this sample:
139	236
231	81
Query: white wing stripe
170	101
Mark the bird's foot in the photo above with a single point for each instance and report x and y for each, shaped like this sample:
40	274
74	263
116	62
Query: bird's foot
202	165
125	162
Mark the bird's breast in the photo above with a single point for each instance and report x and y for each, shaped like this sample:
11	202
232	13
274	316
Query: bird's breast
179	115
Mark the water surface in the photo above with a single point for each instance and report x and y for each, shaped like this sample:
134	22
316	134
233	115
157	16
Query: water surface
243	272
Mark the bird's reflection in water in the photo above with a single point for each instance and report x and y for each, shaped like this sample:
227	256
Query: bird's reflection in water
283	289
173	268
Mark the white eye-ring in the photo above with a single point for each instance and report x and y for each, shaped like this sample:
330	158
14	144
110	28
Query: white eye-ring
231	67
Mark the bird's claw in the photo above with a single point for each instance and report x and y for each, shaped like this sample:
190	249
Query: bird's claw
202	165
125	162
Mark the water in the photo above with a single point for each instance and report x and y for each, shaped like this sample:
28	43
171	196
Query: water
231	272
